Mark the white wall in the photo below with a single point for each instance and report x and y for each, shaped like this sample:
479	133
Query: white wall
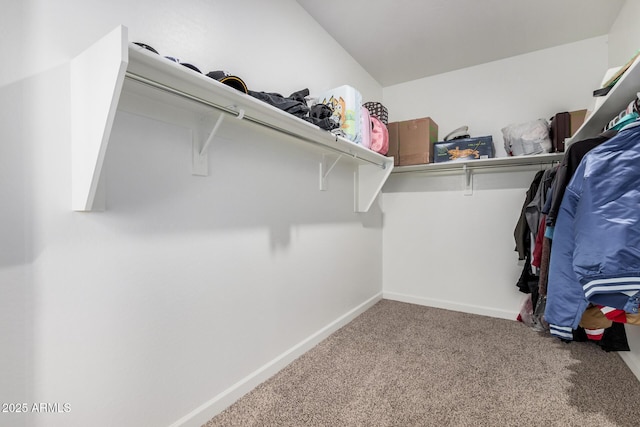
186	291
443	248
491	96
624	37
16	284
274	46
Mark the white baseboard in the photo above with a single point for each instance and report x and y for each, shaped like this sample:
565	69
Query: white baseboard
213	407
632	362
632	358
450	305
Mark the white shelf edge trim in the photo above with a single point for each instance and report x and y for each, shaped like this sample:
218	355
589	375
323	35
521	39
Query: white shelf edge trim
618	98
93	109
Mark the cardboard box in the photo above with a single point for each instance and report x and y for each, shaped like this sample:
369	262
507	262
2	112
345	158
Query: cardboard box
416	138
393	128
464	149
577	119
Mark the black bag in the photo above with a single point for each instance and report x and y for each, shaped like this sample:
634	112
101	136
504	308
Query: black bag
559	130
378	111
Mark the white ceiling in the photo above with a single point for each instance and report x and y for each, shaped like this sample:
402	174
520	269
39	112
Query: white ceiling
402	40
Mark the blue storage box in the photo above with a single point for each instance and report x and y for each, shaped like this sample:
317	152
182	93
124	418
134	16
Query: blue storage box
463	149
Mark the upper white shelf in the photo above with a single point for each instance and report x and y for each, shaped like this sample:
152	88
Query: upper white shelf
113	67
615	101
496	162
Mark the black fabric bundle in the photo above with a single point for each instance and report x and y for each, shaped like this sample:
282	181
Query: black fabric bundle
296	105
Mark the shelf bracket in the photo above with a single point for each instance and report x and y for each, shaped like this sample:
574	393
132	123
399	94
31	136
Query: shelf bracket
200	149
212	134
368	180
324	170
468	181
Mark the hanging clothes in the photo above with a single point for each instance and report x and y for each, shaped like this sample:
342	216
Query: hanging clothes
570	162
596	250
522	233
533	211
599	324
610	338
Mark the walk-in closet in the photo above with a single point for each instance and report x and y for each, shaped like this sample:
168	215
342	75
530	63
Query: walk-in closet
170	243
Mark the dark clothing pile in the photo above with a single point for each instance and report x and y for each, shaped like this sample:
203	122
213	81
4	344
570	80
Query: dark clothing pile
296	104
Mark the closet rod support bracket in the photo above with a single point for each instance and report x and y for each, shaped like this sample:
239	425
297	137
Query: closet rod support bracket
468	181
200	159
326	166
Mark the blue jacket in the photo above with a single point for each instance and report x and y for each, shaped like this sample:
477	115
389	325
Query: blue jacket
595	256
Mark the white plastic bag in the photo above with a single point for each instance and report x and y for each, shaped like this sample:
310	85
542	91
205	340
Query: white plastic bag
527	138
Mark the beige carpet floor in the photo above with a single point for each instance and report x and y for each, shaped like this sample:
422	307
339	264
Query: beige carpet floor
401	364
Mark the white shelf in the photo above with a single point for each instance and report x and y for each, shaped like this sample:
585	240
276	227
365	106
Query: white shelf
616	100
466	167
496	162
134	79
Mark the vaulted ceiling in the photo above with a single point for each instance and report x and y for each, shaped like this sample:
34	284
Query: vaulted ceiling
402	40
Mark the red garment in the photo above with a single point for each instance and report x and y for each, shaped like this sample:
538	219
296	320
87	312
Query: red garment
619	316
594	334
537	247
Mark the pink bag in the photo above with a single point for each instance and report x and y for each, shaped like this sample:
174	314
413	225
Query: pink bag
379	136
365	128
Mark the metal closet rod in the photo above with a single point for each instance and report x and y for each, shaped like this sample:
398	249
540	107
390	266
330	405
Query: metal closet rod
233	112
461	168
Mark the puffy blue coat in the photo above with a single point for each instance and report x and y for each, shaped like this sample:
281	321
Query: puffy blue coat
595	256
